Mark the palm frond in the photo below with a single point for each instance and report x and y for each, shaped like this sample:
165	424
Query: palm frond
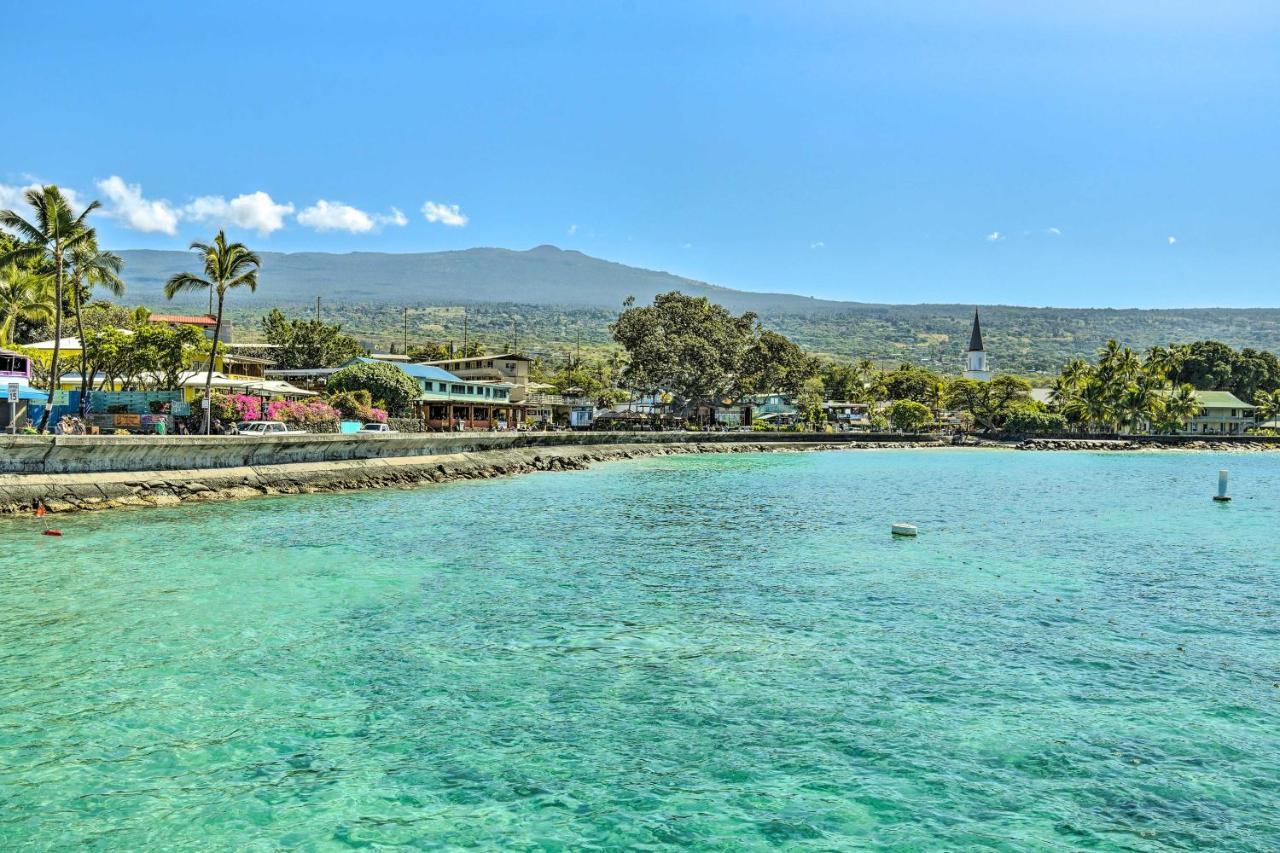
183	282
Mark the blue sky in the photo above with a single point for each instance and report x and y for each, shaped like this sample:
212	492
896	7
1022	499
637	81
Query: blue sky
1116	154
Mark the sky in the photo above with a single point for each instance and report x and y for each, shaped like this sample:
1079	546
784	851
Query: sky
1068	154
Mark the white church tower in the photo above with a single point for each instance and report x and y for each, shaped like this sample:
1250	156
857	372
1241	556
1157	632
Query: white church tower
975	359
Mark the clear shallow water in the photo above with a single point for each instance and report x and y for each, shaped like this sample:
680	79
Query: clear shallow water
715	652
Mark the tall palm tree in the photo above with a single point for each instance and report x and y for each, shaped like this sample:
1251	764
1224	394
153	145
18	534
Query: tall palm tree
55	233
1179	407
90	267
226	267
24	295
1140	401
1268	403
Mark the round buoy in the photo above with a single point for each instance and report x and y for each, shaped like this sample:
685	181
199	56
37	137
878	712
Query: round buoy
903	529
53	533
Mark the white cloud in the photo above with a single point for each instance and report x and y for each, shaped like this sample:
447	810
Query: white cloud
818	245
336	216
573	229
445	214
1056	232
254	210
129	207
995	236
395	217
1172	240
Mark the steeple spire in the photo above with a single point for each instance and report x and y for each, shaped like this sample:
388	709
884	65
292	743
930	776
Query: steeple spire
975	337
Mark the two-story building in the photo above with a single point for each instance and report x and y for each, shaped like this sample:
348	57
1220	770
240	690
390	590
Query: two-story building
510	369
1221	413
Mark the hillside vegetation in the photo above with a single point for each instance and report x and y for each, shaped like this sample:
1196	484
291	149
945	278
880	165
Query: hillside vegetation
551	299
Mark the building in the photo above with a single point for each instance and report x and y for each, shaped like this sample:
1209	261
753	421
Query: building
510	368
206	323
445	401
975	358
1221	413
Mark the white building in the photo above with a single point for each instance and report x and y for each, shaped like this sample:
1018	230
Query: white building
975	358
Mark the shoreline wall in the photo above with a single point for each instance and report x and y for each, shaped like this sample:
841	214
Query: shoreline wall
81	454
20	493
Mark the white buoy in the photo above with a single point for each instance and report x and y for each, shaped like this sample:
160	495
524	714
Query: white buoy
1222	487
901	529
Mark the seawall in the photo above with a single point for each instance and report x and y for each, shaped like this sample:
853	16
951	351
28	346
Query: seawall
79	454
98	490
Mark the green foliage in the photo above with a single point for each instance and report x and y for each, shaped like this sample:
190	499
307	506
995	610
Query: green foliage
703	354
596	380
809	402
388	385
24	296
308	344
1031	418
988	403
153	357
910	382
909	415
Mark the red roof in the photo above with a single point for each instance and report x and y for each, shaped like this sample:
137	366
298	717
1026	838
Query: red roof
185	319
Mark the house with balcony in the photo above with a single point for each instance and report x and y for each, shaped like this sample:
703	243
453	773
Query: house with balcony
1221	413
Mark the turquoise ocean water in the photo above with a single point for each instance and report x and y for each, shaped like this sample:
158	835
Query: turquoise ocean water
726	652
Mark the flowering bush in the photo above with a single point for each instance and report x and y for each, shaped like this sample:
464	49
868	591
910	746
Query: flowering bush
313	415
247	408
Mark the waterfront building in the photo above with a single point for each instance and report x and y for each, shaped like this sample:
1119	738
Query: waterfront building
1221	413
206	323
975	357
509	368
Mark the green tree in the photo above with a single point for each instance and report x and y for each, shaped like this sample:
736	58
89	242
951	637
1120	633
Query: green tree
1176	408
809	401
686	345
989	403
909	416
910	382
773	364
227	266
24	295
1031	418
308	344
1206	365
429	351
91	267
55	233
392	388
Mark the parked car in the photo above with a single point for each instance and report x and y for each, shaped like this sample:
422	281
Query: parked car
376	427
268	428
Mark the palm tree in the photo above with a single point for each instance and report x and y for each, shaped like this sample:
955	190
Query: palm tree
1179	407
1268	403
1140	400
24	295
226	266
55	233
1095	404
91	267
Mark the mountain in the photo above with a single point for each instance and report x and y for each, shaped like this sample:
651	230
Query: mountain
553	299
544	275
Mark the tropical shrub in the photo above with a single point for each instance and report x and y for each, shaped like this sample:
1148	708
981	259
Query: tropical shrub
358	406
909	416
312	416
387	385
1033	419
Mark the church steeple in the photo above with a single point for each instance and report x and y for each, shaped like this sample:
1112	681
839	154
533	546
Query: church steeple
975	336
975	357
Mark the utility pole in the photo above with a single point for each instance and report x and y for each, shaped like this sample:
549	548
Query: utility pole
578	356
317	309
406	330
464	332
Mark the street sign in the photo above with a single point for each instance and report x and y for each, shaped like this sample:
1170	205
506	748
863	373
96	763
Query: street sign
204	402
13	392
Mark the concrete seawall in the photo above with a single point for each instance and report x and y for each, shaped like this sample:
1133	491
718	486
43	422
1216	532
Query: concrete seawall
98	490
81	454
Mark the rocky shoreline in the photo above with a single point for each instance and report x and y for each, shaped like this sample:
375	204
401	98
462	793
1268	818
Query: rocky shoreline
1140	444
114	490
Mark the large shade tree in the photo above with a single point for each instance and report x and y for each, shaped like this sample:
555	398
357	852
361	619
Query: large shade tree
53	234
227	266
